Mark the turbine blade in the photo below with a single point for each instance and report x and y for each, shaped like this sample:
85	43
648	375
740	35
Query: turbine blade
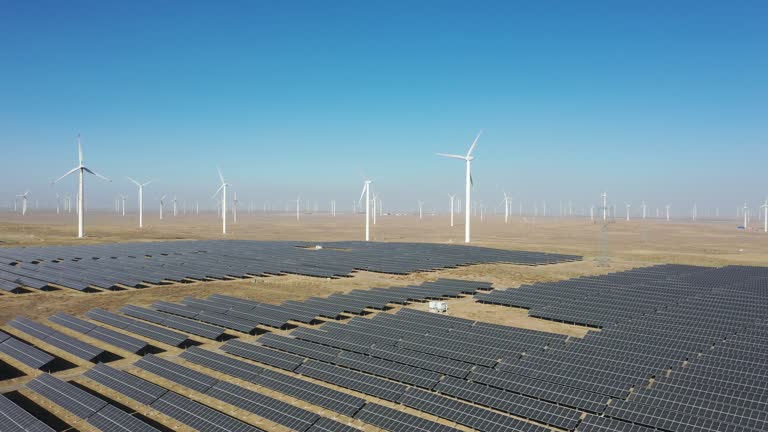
362	193
474	144
471	181
80	149
220	176
218	190
454	156
134	181
147	183
96	174
68	173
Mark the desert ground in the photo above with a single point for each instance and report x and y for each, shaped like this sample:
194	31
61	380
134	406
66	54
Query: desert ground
629	244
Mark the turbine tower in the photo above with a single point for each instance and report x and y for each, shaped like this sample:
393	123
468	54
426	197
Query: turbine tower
628	206
746	212
468	159
765	215
452	197
643	209
223	189
366	192
82	169
605	205
141	201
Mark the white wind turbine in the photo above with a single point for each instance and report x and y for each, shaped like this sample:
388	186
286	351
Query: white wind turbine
452	197
175	212
298	206
82	169
141	201
605	205
746	212
234	208
506	208
765	215
628	206
367	193
468	159
162	204
643	209
421	205
57	203
223	189
667	208
23	202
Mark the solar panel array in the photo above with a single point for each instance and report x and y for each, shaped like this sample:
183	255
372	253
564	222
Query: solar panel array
58	339
680	348
114	338
84	405
111	266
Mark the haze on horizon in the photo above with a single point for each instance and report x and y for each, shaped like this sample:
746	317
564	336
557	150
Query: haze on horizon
657	101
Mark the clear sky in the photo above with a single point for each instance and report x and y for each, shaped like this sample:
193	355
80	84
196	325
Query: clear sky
663	101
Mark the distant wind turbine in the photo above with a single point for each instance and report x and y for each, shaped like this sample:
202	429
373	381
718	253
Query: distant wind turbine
765	215
468	159
366	192
23	202
452	197
141	201
421	206
628	206
162	204
506	208
223	189
82	169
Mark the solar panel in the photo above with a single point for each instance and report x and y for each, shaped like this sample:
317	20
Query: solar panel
264	406
179	374
222	363
327	425
78	402
354	380
120	340
15	419
396	421
122	382
58	339
113	419
465	414
199	416
26	354
315	394
263	354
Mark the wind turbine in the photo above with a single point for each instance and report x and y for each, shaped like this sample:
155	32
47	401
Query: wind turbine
82	169
366	192
643	209
162	204
175	213
605	205
298	206
141	201
452	197
223	189
468	159
628	206
57	203
506	208
667	207
23	202
765	215
122	199
421	205
234	208
746	212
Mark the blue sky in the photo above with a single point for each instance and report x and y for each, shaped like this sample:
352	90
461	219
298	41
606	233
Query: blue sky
657	100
